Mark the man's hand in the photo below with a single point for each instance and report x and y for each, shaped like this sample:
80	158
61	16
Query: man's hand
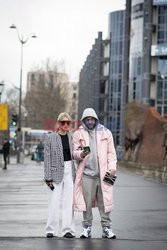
84	153
112	172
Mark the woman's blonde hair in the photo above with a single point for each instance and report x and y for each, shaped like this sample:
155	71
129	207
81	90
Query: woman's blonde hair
64	115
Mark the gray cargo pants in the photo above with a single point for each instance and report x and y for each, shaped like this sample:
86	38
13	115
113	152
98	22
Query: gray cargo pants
92	191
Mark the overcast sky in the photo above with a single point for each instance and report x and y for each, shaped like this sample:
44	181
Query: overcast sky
66	30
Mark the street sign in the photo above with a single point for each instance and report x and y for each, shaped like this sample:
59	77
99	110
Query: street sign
158	50
12	131
12	134
3	116
159	2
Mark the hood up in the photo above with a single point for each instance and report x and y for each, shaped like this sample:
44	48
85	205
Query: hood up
89	112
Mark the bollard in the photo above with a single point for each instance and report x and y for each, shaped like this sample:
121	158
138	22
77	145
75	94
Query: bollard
21	157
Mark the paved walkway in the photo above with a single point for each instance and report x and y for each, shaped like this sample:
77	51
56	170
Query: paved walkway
139	218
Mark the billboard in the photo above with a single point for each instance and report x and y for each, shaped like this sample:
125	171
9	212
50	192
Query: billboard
3	117
159	50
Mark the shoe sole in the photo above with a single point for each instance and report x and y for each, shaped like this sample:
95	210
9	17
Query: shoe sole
84	237
113	237
71	237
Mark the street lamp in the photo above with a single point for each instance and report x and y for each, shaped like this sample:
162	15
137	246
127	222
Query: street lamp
22	40
1	89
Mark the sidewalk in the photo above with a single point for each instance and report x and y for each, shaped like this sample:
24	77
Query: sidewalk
139	218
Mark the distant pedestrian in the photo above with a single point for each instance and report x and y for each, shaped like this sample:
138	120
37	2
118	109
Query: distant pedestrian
40	151
59	171
93	147
5	151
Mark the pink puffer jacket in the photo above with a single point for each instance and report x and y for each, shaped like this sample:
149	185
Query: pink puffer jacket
107	160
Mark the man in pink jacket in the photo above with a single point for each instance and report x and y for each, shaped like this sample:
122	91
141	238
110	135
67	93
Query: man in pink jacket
93	162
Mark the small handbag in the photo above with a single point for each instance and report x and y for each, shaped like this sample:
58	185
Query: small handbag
110	180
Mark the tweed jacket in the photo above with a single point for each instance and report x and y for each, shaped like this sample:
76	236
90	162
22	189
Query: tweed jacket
53	157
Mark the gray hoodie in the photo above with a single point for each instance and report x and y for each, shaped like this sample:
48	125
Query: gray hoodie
92	166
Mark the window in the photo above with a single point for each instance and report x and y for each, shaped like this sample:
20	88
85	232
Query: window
120	66
159	90
119	85
139	66
159	109
51	81
162	25
32	77
165	110
165	94
162	66
42	79
161	35
137	7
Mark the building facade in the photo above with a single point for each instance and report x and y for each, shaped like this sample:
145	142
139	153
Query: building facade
145	56
146	53
40	78
73	100
94	79
159	54
100	83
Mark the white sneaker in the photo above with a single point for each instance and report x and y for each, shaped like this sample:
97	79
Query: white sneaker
86	233
107	233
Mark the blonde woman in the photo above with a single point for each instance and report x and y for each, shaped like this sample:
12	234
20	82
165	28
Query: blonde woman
59	171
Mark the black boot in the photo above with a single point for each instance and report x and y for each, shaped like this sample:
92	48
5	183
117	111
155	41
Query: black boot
5	166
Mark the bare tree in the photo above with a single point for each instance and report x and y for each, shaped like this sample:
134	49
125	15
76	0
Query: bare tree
43	104
12	99
47	96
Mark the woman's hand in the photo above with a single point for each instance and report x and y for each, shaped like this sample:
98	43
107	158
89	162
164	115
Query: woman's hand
49	183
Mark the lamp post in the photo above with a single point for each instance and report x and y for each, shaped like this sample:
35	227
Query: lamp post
22	40
1	89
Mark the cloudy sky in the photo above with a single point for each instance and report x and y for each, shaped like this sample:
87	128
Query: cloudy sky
66	30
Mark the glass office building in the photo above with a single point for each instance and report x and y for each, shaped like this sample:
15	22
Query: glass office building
136	52
116	24
144	56
146	49
93	81
161	100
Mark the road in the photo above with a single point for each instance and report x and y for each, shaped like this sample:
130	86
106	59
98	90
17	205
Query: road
139	218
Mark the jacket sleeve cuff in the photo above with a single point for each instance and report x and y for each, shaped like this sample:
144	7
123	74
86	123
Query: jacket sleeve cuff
48	180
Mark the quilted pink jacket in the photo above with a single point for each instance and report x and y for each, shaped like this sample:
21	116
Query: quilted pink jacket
107	160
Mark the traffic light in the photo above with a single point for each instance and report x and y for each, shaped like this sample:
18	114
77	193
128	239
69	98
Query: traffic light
14	120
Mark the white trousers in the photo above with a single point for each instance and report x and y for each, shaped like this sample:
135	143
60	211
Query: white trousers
60	204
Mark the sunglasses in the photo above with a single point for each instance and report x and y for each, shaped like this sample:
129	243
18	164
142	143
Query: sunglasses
65	122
